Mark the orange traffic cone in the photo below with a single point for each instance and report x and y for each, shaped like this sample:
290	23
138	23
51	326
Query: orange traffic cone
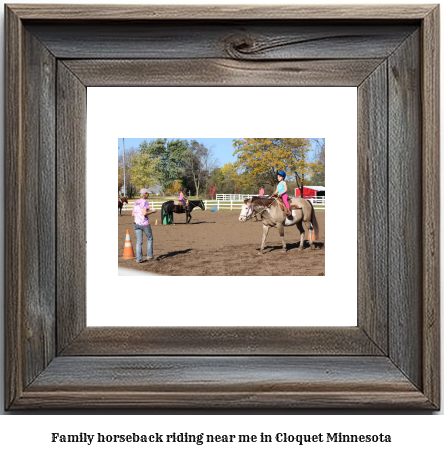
313	237
128	252
156	221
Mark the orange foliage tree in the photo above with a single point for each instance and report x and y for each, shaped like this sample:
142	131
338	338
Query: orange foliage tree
259	159
174	188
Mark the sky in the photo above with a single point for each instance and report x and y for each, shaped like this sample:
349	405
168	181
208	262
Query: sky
222	147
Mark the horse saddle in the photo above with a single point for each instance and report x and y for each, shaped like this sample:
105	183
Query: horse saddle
179	207
281	204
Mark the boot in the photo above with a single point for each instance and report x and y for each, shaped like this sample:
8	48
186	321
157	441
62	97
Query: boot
289	214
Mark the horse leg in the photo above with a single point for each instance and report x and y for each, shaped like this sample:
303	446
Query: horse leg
281	234
310	231
264	237
302	232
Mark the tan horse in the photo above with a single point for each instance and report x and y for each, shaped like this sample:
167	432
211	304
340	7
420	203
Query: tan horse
274	216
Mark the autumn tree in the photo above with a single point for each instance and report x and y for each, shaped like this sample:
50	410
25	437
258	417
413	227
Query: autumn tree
212	189
231	177
174	188
259	159
228	180
299	165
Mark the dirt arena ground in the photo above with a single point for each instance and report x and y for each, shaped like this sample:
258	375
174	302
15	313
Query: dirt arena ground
217	244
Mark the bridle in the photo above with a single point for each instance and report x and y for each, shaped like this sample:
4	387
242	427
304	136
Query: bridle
197	205
247	215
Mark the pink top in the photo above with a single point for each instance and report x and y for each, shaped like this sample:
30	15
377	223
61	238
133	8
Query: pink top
261	192
139	206
181	196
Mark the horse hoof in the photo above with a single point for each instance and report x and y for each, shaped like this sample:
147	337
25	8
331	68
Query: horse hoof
260	252
312	246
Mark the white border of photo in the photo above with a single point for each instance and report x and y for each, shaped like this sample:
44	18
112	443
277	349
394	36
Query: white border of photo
214	112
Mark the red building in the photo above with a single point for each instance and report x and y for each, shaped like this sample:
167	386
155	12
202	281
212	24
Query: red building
311	191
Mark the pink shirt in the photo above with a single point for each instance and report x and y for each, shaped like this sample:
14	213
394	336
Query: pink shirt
139	206
181	196
261	192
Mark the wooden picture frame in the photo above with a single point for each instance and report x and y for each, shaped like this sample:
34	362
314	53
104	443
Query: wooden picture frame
390	360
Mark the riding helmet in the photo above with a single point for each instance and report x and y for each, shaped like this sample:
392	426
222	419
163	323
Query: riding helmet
181	189
262	186
281	173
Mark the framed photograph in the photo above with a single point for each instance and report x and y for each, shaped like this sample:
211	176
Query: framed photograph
390	359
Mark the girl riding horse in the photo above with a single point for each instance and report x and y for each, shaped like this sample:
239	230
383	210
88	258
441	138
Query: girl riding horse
182	199
281	190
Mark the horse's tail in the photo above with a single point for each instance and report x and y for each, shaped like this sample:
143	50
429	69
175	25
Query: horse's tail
165	210
314	222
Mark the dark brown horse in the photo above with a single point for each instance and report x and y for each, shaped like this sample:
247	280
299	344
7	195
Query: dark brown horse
171	207
120	203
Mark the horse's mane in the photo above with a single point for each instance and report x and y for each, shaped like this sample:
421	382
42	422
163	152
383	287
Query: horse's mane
262	202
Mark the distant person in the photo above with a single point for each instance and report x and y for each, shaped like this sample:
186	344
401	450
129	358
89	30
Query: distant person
182	198
281	190
141	210
262	191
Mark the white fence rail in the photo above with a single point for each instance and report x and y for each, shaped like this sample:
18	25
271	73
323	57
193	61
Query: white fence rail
316	199
233	197
208	204
220	204
153	205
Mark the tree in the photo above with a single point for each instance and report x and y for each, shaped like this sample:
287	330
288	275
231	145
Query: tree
170	157
216	179
130	187
199	163
231	178
174	188
212	189
259	159
318	177
299	165
145	170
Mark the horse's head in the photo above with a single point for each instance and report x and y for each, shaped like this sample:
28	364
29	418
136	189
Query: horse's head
246	210
202	205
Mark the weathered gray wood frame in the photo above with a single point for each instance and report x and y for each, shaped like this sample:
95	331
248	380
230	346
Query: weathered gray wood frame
390	360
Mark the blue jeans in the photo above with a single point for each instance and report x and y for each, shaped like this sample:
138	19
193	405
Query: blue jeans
149	235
